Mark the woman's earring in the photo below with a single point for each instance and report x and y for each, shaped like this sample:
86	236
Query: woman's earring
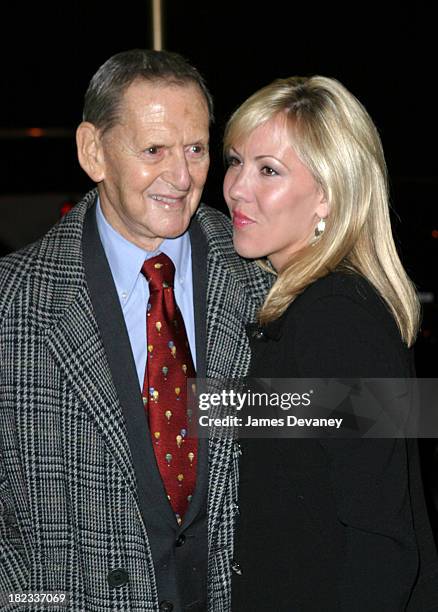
320	228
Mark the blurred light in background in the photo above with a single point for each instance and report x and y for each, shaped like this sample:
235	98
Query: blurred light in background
66	207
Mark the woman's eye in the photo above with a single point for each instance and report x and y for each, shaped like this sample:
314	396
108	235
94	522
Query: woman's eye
232	161
268	171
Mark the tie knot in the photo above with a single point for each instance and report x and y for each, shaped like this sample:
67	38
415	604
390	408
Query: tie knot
159	272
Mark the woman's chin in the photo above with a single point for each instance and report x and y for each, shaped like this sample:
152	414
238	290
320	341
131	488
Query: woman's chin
247	251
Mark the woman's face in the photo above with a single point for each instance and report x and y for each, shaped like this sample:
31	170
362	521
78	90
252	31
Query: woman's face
274	201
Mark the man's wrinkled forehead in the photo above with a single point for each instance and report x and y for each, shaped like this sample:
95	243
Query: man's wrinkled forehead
156	99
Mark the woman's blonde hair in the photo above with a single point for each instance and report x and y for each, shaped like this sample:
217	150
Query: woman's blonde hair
336	139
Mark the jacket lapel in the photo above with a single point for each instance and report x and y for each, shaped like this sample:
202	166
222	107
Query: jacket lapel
76	346
62	312
234	291
199	273
109	316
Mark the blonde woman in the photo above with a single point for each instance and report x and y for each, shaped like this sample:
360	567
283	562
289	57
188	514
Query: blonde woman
325	525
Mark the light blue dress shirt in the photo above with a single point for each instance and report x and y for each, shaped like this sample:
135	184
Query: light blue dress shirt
125	260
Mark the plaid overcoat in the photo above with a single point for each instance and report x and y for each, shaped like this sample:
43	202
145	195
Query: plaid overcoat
69	507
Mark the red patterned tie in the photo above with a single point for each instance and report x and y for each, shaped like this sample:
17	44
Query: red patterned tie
169	365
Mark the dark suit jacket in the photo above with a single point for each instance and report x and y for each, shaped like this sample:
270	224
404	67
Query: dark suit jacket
333	524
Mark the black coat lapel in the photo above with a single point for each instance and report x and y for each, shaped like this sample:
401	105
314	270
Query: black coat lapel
115	339
199	272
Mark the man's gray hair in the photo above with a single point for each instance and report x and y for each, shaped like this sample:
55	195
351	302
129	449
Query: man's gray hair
107	87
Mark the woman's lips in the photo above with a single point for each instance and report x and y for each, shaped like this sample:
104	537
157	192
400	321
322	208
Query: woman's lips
240	220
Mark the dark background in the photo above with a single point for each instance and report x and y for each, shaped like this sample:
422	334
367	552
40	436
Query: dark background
385	56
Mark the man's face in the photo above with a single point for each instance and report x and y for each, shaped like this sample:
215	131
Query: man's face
155	162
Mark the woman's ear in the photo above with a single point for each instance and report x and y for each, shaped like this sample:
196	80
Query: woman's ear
322	209
90	154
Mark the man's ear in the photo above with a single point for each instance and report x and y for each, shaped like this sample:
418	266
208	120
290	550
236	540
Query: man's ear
90	154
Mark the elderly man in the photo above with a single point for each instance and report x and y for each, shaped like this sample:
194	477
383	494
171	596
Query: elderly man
104	496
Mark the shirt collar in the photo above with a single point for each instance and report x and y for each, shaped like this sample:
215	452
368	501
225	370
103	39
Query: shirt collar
126	259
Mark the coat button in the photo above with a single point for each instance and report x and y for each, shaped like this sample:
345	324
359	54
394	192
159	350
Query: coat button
118	578
236	568
166	606
180	541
